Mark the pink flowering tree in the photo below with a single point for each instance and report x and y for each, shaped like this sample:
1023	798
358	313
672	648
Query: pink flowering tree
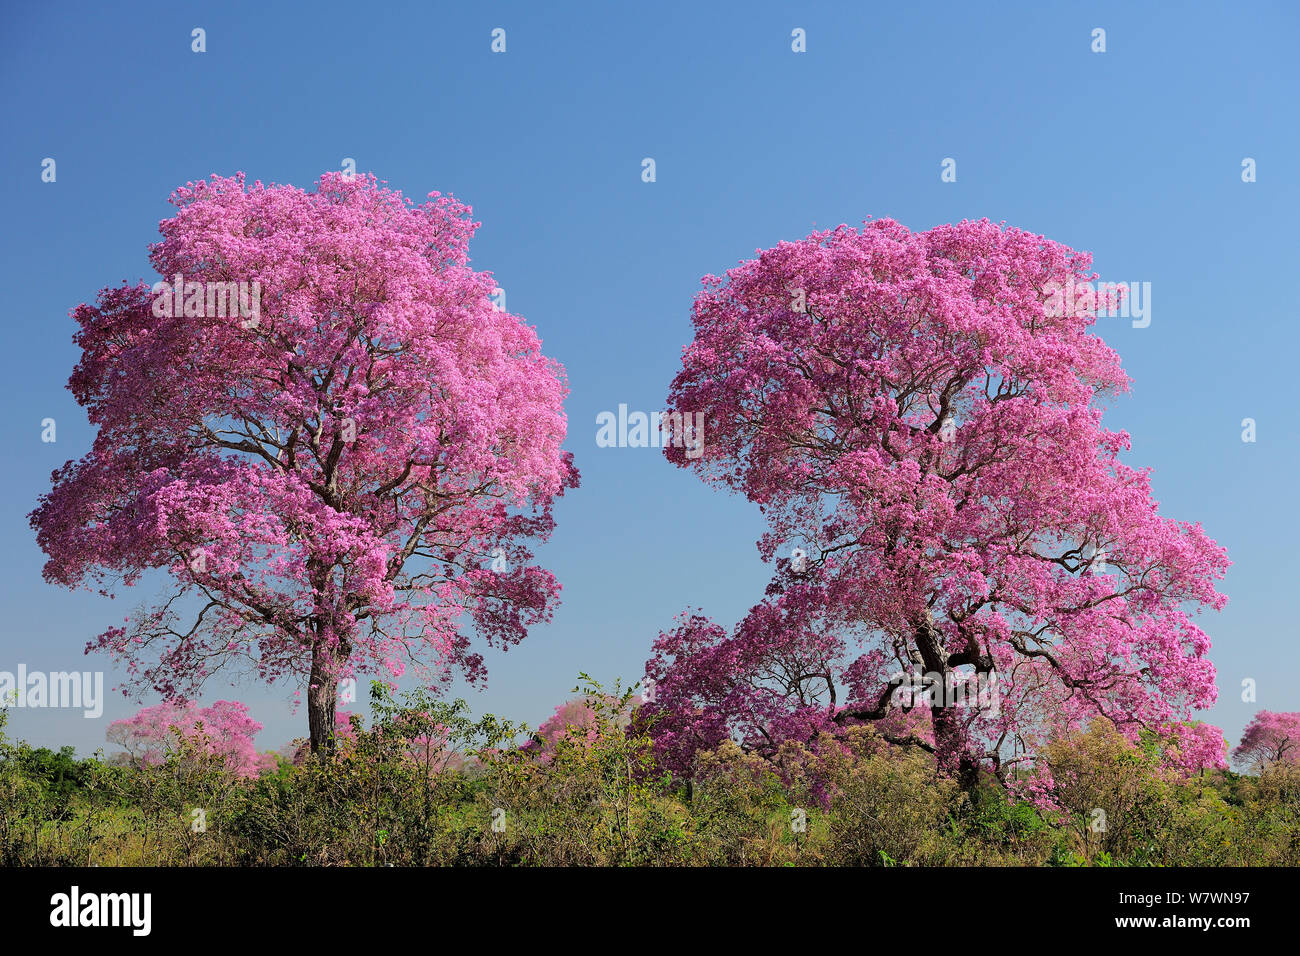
580	722
919	420
1269	738
225	729
1194	747
340	463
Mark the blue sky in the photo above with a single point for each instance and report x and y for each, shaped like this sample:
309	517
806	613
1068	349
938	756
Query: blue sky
1134	154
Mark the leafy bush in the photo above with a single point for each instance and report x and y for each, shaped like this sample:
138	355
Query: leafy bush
427	785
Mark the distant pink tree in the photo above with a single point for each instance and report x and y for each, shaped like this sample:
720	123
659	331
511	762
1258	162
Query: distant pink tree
577	721
919	421
573	720
322	427
225	729
1269	738
1195	746
434	753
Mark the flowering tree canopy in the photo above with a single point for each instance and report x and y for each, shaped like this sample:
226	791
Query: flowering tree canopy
573	720
1269	738
581	721
921	427
341	474
224	729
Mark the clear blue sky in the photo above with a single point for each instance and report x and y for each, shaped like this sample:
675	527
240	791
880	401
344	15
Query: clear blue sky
1134	154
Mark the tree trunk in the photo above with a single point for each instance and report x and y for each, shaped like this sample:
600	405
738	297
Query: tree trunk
953	749
951	745
322	698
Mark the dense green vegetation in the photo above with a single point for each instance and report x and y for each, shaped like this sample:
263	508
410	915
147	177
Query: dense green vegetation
390	796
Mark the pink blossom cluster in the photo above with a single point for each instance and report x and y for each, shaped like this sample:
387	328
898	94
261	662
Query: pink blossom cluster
224	729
